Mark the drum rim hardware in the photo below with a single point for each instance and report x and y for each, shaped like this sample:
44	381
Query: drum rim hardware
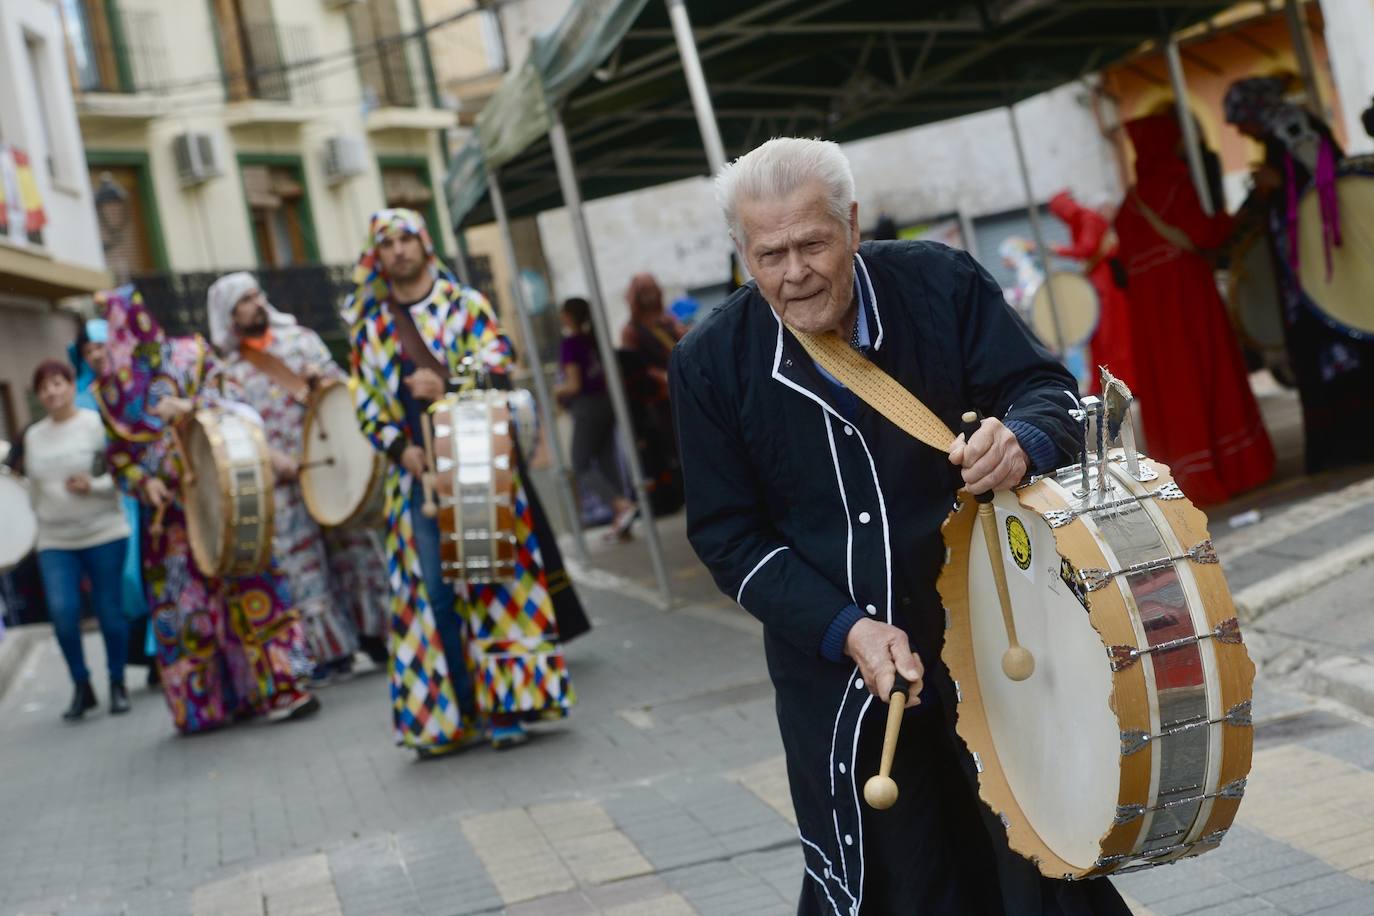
1123	657
1058	518
1095	578
1238	716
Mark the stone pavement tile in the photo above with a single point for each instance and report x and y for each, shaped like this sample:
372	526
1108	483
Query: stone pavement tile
663	832
721	889
519	860
768	780
622	894
781	869
370	879
571	903
1200	900
1318	893
587	841
667	905
1348	908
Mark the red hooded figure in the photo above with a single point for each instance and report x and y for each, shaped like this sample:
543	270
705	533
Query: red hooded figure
1200	416
1094	244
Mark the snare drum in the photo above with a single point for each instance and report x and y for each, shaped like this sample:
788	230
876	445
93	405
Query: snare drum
1130	743
228	501
19	534
475	463
342	475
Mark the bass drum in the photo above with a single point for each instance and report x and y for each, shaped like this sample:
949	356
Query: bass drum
228	497
342	475
1130	744
19	534
1253	297
1341	295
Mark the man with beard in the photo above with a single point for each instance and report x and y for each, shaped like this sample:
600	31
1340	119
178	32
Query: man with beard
822	519
468	656
338	577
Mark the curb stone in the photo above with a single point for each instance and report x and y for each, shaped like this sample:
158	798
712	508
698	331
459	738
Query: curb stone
15	647
1346	679
1254	601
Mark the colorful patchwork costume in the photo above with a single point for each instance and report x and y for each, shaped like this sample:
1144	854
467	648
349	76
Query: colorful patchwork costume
511	646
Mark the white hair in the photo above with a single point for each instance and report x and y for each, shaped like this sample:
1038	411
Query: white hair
778	168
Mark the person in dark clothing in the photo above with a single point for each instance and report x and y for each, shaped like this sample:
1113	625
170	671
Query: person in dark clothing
822	519
1334	369
582	391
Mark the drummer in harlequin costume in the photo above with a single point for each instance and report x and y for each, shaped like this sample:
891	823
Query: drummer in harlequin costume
338	576
226	647
822	519
466	658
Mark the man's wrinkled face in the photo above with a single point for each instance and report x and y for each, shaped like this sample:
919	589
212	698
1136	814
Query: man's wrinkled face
250	314
403	257
94	355
801	257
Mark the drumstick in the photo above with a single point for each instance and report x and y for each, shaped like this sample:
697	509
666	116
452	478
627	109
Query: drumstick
155	526
321	463
1017	662
881	791
188	474
430	508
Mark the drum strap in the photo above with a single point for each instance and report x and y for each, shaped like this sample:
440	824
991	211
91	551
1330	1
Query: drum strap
879	390
1167	231
272	367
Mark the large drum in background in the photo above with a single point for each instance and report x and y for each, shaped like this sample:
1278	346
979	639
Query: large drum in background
475	464
341	473
19	534
1130	743
1075	304
1253	297
1342	297
229	498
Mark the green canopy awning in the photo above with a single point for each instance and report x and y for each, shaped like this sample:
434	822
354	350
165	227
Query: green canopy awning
840	69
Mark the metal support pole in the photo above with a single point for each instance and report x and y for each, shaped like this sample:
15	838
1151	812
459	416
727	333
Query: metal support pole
541	384
572	199
1191	147
696	85
460	260
1037	232
1302	49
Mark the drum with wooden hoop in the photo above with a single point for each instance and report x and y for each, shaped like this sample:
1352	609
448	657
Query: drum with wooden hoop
1341	294
19	534
228	497
475	465
1254	302
1130	743
1075	305
342	475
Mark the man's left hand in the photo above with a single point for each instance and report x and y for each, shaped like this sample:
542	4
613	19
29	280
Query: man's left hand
992	460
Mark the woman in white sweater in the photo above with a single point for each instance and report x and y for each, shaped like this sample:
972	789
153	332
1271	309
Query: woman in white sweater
81	530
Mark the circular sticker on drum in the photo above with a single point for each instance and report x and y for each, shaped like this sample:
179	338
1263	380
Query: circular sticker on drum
1018	539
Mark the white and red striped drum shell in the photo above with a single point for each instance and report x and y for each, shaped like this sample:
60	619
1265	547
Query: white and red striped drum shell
1130	744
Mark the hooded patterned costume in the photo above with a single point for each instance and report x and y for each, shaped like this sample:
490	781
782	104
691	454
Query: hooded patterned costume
512	650
225	647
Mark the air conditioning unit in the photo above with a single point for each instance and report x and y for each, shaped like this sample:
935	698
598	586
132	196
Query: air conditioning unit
195	155
344	157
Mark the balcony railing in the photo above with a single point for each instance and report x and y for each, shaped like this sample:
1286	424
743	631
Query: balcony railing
126	54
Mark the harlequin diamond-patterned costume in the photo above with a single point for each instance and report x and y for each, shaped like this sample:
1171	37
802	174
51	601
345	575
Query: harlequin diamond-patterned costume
462	657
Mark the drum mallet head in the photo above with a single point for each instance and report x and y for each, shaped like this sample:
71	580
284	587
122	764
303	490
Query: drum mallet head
881	791
1017	663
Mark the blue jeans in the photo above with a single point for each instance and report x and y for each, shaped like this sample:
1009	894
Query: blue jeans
442	599
62	571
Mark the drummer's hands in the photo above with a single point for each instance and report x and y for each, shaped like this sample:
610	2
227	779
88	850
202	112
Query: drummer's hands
413	460
80	484
171	409
156	493
879	649
1266	179
993	460
284	466
425	384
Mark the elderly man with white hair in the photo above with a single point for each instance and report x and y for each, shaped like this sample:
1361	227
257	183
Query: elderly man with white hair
822	519
337	577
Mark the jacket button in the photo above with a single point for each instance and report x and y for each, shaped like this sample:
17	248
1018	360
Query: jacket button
849	430
864	517
871	609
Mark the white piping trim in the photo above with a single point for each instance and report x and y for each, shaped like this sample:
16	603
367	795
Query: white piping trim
739	596
830	866
844	499
777	361
873	298
833	905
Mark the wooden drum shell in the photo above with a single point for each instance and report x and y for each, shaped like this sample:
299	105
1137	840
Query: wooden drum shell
230	535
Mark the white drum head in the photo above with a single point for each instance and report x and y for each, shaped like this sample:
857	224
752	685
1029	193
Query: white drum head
335	491
1344	296
205	510
1077	305
1255	302
19	534
1057	738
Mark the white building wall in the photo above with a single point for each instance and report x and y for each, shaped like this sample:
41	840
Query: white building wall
966	165
29	99
1349	26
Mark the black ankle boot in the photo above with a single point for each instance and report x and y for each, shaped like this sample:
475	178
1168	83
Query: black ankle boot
82	700
119	698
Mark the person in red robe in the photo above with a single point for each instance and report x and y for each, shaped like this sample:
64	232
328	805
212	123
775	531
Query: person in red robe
1094	244
1200	415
